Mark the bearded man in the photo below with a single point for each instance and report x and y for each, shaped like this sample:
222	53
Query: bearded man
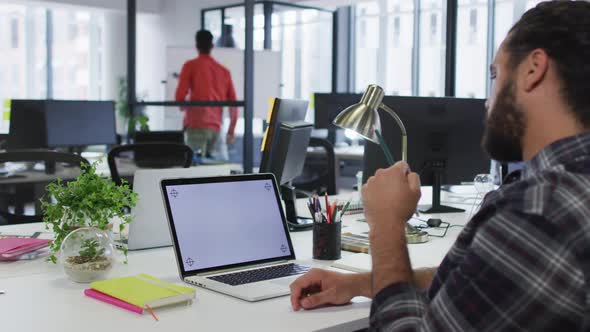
523	261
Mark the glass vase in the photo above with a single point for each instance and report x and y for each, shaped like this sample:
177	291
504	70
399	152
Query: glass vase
87	254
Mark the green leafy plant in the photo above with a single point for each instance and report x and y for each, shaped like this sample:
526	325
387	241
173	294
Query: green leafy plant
89	251
88	201
122	107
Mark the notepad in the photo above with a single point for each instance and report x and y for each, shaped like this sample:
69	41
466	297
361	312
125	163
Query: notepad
13	247
142	291
359	262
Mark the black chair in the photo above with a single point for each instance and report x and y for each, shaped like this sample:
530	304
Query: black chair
325	181
18	193
151	155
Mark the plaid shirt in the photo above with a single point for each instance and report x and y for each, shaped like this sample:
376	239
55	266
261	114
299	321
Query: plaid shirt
521	263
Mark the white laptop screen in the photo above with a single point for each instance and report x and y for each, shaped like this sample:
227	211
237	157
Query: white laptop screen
227	223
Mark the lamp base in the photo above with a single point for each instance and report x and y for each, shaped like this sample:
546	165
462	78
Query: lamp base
414	235
439	209
301	224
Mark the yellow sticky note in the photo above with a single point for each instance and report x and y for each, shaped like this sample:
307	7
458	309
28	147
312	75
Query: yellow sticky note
6	116
271	103
7	104
312	101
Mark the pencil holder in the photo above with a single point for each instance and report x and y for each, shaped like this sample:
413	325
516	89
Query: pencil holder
326	240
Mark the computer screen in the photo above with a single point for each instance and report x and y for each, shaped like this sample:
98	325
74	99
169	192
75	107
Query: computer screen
440	130
79	123
289	151
328	105
238	222
284	110
27	125
444	140
168	136
284	148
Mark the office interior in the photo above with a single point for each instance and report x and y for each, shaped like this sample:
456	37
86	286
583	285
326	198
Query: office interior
130	52
114	65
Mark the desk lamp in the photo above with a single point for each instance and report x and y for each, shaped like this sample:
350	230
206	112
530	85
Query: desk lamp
363	119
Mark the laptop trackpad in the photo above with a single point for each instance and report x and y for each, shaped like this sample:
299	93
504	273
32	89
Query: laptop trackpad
285	281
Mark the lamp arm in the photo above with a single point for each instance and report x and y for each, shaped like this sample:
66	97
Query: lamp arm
401	127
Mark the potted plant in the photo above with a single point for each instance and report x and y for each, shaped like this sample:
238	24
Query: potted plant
89	201
132	120
87	254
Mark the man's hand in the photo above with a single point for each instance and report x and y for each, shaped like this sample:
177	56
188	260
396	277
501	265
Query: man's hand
391	195
320	287
230	138
389	199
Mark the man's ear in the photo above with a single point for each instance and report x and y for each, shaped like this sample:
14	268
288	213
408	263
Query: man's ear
534	69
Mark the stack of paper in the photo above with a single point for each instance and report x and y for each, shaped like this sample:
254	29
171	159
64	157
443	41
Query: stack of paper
12	248
355	242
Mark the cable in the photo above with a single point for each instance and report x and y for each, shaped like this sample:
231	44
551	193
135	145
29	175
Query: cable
434	223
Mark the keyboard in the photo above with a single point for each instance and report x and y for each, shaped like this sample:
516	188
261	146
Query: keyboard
267	273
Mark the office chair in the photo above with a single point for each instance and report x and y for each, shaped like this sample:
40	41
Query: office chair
21	190
325	181
151	155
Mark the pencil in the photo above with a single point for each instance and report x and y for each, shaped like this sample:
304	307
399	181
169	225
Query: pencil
345	207
328	214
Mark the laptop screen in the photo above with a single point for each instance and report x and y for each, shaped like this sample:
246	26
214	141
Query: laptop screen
226	221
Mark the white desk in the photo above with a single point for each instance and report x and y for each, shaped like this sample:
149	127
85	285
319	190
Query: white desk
40	297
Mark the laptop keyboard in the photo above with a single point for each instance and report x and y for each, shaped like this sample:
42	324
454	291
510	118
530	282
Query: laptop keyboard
267	273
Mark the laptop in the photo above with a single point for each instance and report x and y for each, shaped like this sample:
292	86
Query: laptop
230	235
149	228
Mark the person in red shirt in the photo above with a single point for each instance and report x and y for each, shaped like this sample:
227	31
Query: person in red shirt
204	79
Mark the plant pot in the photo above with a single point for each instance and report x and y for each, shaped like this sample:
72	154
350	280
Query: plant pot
87	254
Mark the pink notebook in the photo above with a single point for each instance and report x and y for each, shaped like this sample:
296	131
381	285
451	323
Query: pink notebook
112	300
13	247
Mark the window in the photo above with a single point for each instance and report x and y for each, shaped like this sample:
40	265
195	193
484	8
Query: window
433	28
76	53
304	38
398	59
234	17
432	49
213	22
471	63
472	24
367	48
14	32
22	55
391	59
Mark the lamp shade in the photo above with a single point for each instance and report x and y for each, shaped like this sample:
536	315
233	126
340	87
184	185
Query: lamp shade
363	117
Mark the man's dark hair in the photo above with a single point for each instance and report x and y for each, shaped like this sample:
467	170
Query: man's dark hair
204	40
562	29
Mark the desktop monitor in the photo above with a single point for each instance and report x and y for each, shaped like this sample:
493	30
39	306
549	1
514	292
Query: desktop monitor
27	125
327	107
284	148
152	158
444	136
72	123
283	110
289	151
